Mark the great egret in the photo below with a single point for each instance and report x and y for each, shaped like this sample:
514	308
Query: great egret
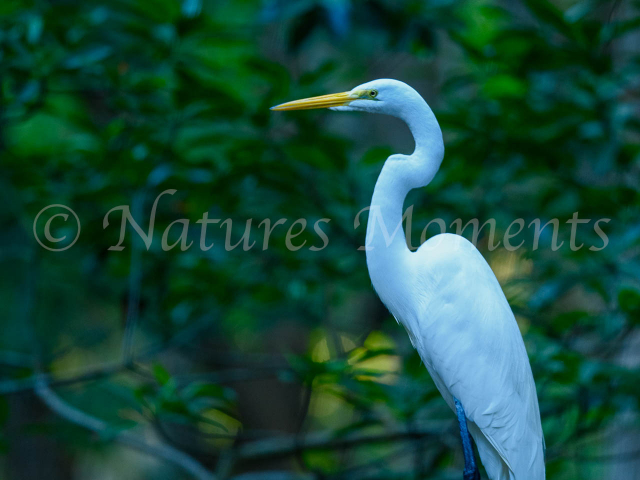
448	299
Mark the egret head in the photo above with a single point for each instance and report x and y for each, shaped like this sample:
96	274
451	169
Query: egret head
390	97
378	96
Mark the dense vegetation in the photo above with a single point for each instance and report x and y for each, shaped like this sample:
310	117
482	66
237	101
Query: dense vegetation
139	362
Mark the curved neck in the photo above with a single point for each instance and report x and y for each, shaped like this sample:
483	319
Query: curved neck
384	226
386	243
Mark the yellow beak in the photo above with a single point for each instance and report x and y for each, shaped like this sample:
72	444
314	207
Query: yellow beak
323	101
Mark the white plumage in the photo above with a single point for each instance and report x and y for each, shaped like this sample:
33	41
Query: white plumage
447	297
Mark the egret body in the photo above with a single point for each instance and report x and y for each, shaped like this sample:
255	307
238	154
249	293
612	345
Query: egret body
447	298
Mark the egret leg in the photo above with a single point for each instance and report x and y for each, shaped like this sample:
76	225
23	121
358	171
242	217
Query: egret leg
471	471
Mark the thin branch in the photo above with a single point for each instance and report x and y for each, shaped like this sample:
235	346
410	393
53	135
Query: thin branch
287	445
15	359
307	389
135	279
82	419
30	383
104	370
78	417
359	470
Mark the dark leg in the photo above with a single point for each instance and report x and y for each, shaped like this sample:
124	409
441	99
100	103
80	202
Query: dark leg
471	471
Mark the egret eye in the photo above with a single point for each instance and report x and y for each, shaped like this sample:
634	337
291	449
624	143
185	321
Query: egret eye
373	93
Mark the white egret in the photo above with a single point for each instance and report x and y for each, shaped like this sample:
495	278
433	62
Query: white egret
448	299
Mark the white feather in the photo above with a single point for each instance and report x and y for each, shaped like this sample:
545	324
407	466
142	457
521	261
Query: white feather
450	302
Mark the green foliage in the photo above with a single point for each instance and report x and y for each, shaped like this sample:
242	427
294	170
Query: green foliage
234	352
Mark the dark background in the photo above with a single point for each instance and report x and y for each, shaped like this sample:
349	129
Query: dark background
144	363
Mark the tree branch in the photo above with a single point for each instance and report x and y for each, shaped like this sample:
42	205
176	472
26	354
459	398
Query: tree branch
104	370
287	445
135	279
78	417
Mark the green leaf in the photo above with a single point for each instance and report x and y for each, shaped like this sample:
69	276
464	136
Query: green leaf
201	389
89	56
504	86
161	374
548	13
629	301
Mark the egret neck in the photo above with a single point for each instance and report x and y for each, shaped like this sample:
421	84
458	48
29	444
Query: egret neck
386	244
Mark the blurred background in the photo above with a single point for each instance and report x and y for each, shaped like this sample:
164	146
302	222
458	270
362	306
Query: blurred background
254	363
